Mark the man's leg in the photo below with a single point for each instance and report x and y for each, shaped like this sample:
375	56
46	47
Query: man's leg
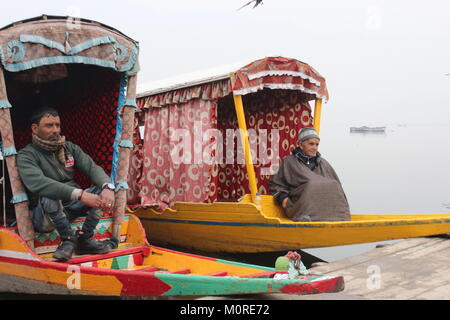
86	244
54	210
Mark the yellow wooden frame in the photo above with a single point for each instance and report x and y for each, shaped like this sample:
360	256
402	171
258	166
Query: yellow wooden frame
317	114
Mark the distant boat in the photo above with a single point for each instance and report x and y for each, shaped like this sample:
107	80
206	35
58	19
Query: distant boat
367	129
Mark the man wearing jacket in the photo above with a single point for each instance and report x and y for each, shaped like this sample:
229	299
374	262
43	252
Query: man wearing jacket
46	167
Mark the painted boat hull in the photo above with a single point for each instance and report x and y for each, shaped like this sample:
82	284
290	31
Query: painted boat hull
242	228
139	269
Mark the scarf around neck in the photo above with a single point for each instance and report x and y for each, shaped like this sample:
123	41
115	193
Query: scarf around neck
311	162
58	146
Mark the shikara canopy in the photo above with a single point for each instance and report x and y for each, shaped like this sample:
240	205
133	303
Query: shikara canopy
192	117
279	73
269	72
51	41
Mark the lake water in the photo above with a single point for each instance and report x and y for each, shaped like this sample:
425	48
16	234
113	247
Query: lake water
405	170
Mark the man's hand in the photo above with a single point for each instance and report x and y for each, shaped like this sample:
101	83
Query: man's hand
107	200
90	199
283	204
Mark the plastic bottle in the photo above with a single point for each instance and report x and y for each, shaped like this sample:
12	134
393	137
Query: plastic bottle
258	201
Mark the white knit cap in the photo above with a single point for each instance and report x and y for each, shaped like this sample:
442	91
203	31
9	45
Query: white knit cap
307	133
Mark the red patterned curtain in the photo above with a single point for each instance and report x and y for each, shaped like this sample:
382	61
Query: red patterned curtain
274	118
136	159
174	153
267	113
87	104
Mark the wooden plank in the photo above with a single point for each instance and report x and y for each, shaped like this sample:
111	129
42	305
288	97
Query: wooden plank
111	254
417	268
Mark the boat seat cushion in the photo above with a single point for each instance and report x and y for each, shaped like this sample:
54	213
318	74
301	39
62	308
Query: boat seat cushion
48	242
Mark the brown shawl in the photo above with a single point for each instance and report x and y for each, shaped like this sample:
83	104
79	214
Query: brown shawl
313	195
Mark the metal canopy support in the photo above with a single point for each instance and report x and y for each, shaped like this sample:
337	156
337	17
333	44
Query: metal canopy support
20	201
128	112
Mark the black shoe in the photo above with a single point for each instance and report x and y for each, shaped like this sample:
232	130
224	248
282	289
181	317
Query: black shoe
65	250
91	246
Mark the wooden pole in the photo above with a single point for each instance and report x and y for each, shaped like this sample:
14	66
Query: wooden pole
125	146
239	106
20	200
317	114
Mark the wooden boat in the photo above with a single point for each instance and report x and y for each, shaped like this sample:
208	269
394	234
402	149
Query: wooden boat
138	269
88	71
367	129
241	224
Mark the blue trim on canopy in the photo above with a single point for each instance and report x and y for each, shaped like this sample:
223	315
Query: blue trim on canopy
120	51
4	104
9	151
41	40
15	55
122	99
131	103
132	60
122	185
56	60
91	43
59	46
126	144
18	198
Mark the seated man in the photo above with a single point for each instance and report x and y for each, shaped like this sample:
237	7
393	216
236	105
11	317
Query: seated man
46	167
306	185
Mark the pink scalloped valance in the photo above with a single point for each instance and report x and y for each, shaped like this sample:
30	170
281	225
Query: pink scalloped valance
208	91
279	73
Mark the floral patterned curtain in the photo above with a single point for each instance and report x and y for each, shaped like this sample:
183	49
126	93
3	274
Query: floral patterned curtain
177	159
136	159
274	118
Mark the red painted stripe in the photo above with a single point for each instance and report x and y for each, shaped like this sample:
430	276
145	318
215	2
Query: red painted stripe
149	269
322	286
134	283
267	274
182	271
217	274
138	259
112	254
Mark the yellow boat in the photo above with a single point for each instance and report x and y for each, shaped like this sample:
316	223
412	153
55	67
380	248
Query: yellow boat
241	227
239	224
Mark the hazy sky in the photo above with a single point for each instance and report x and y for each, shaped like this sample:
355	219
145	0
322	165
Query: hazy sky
384	61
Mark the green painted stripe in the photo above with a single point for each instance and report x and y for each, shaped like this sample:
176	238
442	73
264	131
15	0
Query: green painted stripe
186	285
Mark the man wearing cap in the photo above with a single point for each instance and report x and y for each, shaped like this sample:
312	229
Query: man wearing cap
306	185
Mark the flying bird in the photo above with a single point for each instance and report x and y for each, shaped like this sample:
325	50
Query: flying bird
257	3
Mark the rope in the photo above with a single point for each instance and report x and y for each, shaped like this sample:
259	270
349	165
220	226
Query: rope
2	181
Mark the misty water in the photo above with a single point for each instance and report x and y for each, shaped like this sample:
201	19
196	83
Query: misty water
405	170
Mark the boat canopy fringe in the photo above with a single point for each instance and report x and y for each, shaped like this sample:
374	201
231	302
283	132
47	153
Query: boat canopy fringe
271	73
48	42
